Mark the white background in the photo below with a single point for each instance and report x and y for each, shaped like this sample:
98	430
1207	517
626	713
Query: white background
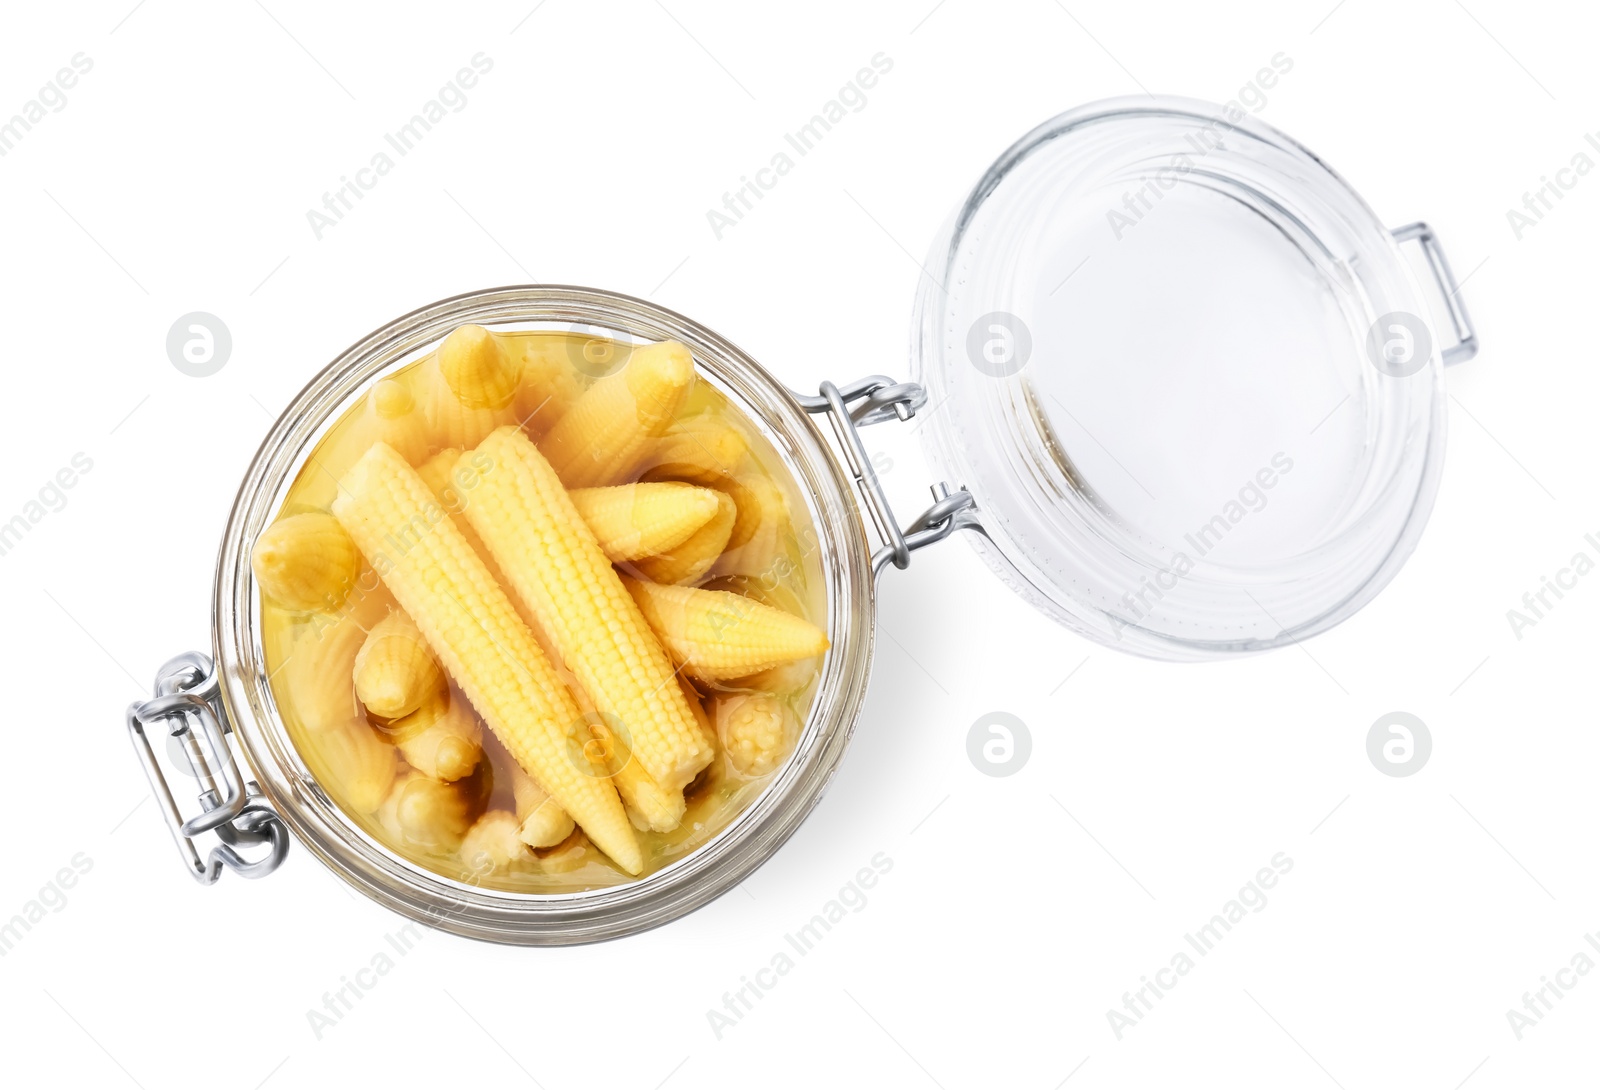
1018	910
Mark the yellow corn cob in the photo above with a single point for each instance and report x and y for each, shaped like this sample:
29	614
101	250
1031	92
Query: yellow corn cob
689	561
353	763
633	521
467	387
702	449
755	729
758	531
394	670
442	739
423	813
491	846
650	806
438	473
698	708
313	681
388	414
452	480
478	369
478	638
555	369
552	560
541	821
306	562
601	437
557	570
718	635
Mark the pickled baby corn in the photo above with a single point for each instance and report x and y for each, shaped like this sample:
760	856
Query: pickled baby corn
391	415
394	670
603	434
650	806
758	531
354	763
719	635
468	386
755	730
426	814
541	821
478	637
633	521
306	562
687	562
552	560
320	662
555	370
492	845
442	739
701	449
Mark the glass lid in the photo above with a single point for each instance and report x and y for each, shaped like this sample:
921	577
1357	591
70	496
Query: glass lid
1187	376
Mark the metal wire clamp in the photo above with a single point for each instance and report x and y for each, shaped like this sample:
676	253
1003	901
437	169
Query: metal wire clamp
877	398
187	703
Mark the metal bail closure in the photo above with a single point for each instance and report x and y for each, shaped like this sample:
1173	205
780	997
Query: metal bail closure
187	702
878	398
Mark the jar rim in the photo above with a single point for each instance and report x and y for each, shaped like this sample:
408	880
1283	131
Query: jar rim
686	883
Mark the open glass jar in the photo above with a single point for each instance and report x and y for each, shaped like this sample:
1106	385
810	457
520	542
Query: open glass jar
1182	392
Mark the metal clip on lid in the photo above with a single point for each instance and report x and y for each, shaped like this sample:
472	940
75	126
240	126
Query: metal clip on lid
879	398
187	701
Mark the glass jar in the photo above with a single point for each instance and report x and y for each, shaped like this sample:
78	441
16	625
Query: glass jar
1042	319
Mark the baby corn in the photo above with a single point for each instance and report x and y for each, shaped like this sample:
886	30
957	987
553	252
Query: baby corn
306	562
554	370
689	561
478	638
755	729
700	449
633	521
394	670
525	517
468	386
391	416
758	531
355	763
491	845
321	660
478	369
717	634
650	806
602	436
692	695
424	813
441	739
542	822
